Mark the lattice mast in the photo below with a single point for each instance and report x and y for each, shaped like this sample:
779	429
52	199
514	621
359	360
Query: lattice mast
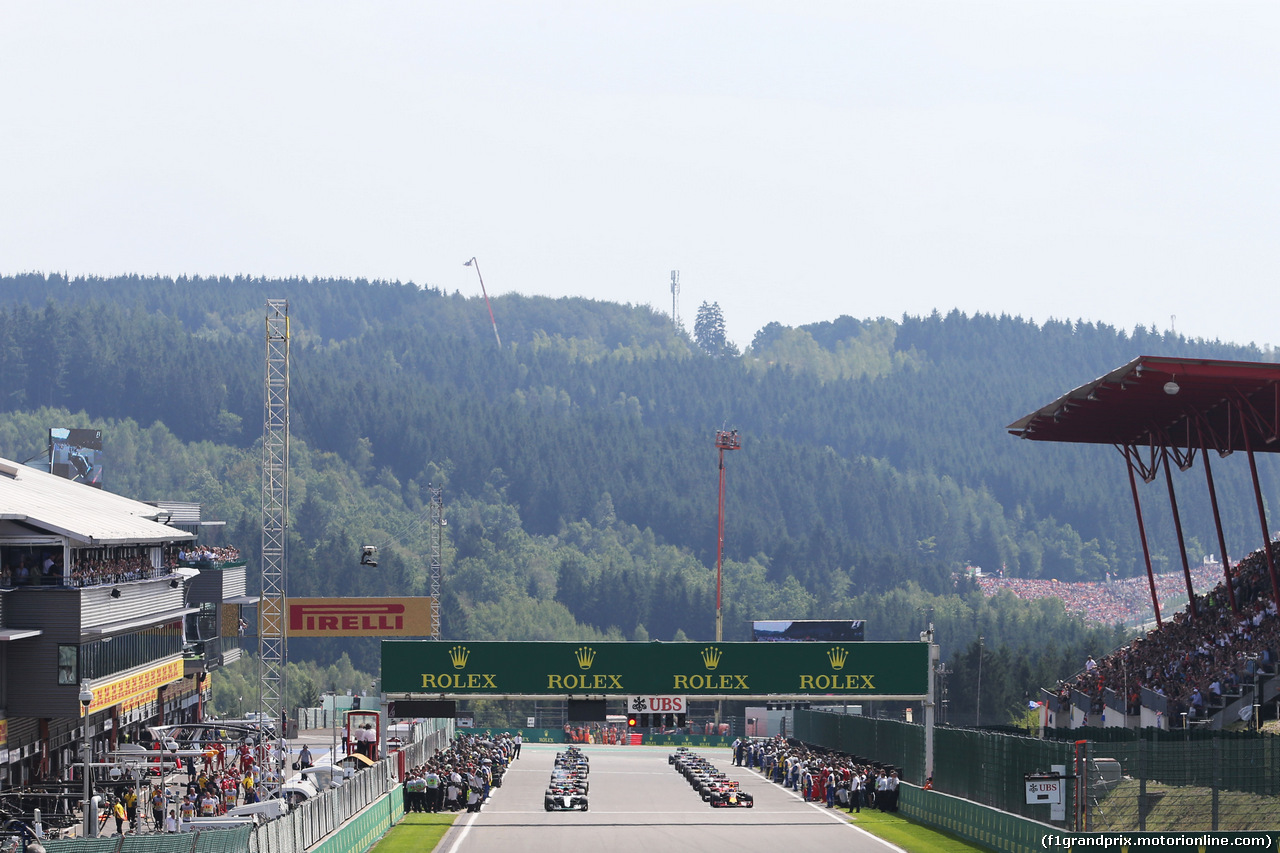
725	440
275	513
437	552
675	297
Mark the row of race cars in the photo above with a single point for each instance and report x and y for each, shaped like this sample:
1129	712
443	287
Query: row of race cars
567	790
712	784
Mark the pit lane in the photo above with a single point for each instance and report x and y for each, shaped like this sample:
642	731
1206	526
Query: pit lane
640	804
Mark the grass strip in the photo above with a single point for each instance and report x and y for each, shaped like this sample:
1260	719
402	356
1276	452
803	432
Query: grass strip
912	837
417	832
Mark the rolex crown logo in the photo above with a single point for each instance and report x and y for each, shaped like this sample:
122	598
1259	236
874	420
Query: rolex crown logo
459	655
711	657
585	656
837	656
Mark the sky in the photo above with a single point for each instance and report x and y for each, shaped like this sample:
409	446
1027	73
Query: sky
796	161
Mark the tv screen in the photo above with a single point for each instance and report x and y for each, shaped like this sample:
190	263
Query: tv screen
812	630
76	454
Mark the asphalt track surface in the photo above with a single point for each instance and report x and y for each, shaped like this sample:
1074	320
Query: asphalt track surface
640	804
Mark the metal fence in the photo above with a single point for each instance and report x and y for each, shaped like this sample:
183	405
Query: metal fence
301	829
1126	779
310	822
985	767
235	840
1151	780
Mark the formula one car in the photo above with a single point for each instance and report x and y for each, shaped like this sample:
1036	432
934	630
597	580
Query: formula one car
729	795
564	799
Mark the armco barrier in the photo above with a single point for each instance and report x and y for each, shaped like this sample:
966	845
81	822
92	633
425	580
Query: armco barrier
991	828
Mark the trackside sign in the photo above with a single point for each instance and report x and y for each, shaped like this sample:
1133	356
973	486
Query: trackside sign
358	617
838	670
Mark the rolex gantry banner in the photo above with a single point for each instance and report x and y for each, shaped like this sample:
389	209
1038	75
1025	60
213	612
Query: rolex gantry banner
899	670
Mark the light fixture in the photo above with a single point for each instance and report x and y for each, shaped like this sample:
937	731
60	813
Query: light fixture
1171	388
174	584
115	592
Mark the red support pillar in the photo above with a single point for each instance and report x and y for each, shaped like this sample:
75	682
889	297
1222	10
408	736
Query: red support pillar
1217	523
725	440
1262	514
1142	533
1177	526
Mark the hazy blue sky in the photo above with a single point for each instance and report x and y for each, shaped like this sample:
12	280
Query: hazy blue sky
1114	161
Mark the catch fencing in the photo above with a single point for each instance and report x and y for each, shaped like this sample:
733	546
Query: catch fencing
1125	779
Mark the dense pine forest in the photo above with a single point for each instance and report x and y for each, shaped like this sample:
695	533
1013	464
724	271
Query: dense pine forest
578	460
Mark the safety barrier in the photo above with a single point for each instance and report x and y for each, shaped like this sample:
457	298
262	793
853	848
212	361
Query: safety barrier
991	828
313	821
370	825
235	840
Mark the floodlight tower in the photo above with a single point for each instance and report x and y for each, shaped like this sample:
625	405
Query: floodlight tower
474	263
275	513
725	440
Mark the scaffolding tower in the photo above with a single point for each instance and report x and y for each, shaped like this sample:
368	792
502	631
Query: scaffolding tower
437	551
275	513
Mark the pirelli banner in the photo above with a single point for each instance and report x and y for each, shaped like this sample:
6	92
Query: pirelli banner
358	617
695	670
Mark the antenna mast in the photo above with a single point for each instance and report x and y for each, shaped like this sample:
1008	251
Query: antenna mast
675	297
275	512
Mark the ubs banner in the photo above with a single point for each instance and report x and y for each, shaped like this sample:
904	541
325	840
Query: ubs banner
358	617
881	670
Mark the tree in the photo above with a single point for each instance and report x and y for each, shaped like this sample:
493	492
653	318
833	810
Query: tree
708	331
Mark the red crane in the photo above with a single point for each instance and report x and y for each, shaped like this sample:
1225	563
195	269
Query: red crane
725	440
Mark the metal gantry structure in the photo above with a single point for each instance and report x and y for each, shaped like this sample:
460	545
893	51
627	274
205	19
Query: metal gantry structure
437	552
275	512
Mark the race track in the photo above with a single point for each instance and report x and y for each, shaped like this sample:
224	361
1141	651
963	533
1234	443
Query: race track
640	804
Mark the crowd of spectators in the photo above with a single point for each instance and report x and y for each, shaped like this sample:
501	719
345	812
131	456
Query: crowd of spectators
91	571
1193	661
1117	600
204	555
820	775
462	775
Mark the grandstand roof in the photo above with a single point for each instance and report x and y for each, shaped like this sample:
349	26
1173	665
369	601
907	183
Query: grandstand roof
90	515
1160	400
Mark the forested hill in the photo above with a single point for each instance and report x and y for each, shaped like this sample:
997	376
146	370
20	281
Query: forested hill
866	444
579	460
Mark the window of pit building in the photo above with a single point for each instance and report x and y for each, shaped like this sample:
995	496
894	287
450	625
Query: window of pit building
68	665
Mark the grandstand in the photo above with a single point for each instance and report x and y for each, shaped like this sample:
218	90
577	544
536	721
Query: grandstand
1214	663
1115	601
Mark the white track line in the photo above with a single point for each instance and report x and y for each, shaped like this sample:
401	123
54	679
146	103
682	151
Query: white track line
823	810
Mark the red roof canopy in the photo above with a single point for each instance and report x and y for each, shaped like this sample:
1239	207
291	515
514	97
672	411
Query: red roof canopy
1171	402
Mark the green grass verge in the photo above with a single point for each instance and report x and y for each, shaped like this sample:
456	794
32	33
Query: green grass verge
417	833
912	837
